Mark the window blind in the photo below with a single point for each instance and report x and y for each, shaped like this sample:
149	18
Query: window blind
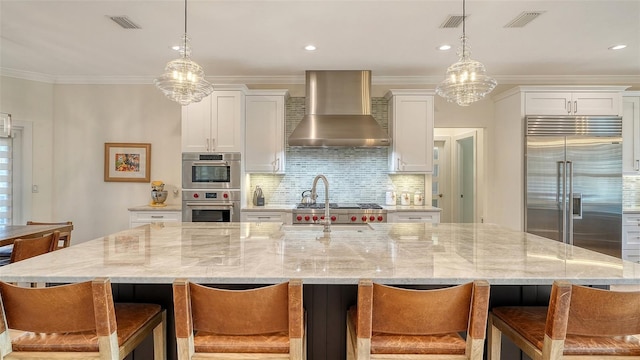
6	174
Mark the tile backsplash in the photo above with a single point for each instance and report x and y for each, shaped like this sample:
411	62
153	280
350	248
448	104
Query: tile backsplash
630	192
354	174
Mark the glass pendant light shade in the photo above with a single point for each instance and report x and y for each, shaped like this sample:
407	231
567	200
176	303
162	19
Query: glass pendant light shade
466	81
183	80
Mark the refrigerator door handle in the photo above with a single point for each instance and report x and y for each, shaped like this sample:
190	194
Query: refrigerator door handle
569	215
559	180
564	202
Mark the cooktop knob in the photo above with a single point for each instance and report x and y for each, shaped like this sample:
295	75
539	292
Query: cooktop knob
380	218
306	218
333	218
353	218
364	218
299	218
372	217
315	218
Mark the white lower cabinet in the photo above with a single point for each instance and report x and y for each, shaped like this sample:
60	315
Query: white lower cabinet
137	218
414	217
266	216
631	237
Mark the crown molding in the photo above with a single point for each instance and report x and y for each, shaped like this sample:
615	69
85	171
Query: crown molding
299	79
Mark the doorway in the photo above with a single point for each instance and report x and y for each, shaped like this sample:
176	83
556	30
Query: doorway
457	179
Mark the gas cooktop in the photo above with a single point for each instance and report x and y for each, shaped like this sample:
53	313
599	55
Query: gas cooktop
340	206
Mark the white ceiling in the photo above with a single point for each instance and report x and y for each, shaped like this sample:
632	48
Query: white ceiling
262	41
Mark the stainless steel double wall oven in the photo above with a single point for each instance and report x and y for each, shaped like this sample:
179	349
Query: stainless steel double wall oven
211	187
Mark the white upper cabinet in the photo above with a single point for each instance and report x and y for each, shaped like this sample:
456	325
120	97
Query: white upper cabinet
214	124
411	131
572	103
631	133
265	132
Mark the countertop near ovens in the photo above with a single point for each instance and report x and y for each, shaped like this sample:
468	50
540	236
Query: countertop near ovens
169	207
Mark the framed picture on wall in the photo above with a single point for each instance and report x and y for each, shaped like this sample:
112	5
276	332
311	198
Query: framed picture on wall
129	162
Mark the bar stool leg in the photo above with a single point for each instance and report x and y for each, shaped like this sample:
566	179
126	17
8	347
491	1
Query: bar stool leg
495	341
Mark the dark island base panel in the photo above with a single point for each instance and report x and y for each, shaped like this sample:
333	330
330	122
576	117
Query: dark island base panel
326	307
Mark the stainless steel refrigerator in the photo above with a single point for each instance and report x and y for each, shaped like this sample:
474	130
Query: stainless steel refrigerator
573	181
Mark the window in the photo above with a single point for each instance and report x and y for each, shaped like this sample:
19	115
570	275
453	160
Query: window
15	172
6	181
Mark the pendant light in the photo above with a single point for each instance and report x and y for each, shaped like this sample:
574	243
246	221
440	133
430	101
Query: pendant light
183	80
466	81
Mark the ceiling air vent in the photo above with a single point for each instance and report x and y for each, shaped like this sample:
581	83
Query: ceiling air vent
523	19
451	22
124	22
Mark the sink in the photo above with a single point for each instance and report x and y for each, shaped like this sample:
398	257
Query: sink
320	227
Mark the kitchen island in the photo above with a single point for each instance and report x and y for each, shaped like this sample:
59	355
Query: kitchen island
143	262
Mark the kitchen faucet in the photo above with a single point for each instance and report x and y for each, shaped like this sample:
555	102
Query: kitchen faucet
327	220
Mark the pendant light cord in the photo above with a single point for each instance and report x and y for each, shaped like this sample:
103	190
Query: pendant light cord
464	28
185	28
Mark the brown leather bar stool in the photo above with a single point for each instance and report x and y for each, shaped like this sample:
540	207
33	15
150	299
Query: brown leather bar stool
391	322
579	323
76	321
263	323
65	236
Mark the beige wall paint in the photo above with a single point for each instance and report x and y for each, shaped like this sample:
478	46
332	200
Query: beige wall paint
32	102
87	116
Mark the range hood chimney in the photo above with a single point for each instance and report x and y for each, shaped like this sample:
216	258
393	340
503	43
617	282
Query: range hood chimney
338	111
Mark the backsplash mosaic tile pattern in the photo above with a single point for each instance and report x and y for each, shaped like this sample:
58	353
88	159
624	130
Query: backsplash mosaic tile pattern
354	174
630	192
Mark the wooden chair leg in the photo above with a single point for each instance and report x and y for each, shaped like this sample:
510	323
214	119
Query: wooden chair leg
494	344
159	336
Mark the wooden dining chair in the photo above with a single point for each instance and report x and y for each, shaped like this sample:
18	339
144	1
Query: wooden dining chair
579	323
75	321
263	323
395	323
27	248
65	236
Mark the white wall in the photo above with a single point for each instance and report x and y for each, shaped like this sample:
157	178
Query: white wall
32	102
87	116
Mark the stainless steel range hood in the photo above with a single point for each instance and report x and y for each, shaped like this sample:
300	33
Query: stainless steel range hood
338	111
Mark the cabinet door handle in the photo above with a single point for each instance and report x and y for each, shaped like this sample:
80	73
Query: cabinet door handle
637	165
157	216
575	106
207	146
213	144
398	164
568	107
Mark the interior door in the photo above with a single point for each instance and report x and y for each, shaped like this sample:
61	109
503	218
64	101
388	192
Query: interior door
440	179
465	178
545	171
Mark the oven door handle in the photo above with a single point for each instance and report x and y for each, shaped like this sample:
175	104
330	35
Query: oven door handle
211	205
201	163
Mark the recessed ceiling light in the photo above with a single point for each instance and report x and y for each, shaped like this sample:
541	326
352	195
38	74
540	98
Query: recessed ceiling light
617	47
310	47
175	47
444	47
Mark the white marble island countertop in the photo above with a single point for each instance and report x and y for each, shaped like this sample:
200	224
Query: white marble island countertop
262	253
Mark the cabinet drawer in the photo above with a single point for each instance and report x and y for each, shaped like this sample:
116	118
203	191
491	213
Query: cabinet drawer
263	217
631	237
154	216
633	255
420	217
631	220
